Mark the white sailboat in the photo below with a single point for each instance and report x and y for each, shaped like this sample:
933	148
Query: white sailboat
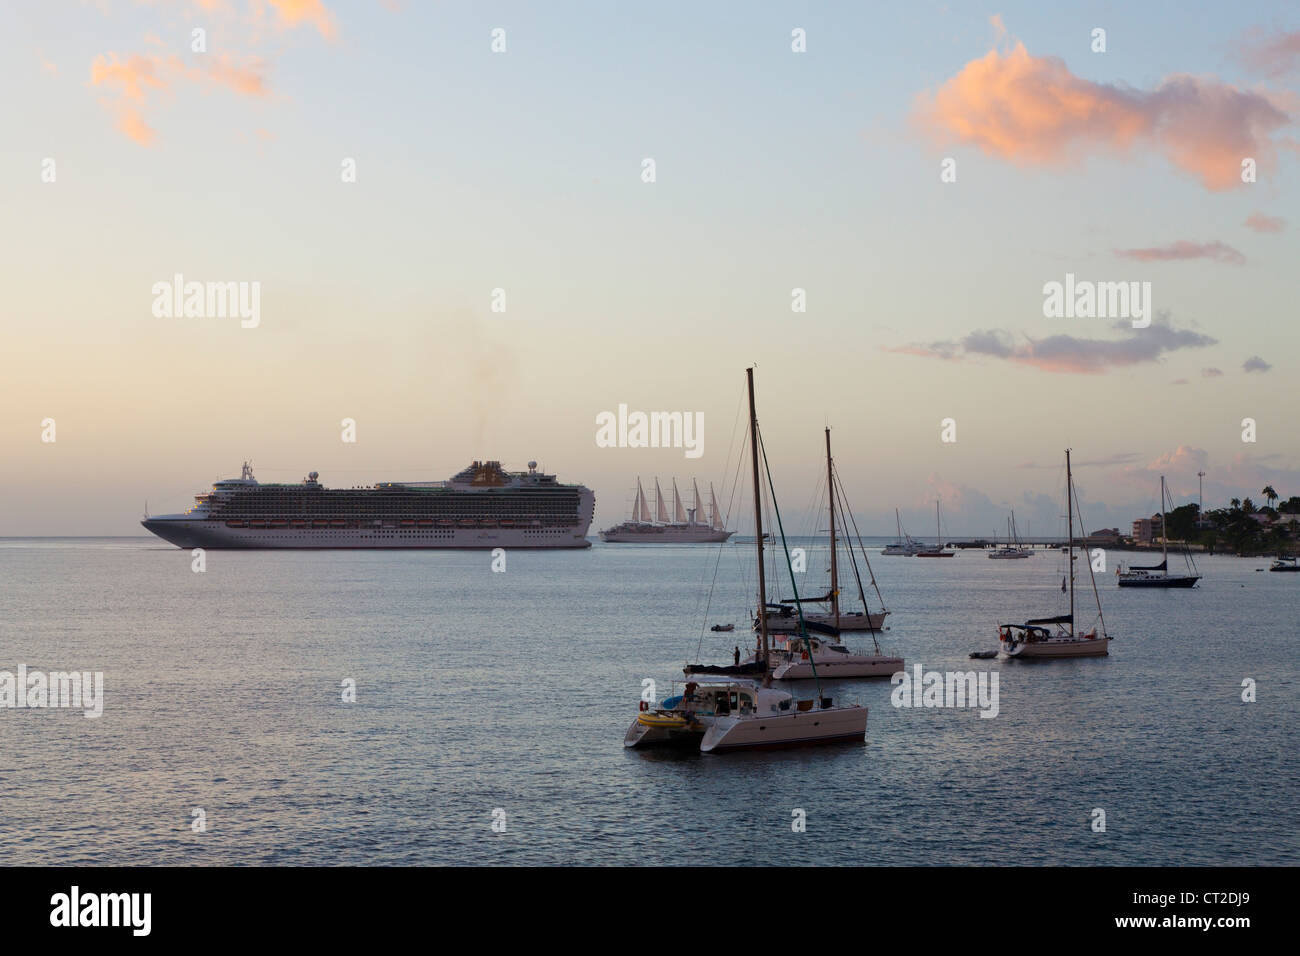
784	618
904	547
1157	575
722	712
937	551
808	653
1013	548
1051	637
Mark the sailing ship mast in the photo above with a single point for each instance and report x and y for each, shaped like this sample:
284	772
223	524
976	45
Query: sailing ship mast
830	490
758	528
1069	508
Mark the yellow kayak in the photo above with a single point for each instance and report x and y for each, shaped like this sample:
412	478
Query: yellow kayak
661	721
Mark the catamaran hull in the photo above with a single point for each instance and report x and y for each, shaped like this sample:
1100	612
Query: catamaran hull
833	670
778	732
639	735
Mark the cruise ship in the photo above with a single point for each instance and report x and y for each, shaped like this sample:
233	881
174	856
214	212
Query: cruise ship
483	506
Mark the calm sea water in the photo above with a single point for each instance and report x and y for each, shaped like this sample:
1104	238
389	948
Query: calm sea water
479	690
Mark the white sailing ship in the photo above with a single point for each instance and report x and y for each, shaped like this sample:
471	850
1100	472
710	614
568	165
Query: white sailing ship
687	525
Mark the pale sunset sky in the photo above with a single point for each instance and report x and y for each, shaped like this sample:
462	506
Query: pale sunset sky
128	157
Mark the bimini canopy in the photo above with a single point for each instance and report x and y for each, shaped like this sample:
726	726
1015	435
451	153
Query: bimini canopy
1063	619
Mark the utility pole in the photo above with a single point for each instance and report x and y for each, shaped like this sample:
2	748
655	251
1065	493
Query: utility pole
1200	498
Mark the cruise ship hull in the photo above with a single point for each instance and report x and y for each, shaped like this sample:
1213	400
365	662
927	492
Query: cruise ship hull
215	535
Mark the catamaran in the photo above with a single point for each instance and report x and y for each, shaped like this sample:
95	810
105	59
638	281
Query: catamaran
1157	575
937	551
1013	548
904	547
1056	636
783	618
722	712
1284	563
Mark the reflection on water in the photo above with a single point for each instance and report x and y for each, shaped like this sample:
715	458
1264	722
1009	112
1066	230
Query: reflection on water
477	691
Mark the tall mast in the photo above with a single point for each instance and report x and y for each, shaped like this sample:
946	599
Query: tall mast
758	526
1069	507
830	490
1164	535
937	533
898	521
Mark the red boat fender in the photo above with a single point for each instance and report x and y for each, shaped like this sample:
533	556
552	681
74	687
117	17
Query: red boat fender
644	706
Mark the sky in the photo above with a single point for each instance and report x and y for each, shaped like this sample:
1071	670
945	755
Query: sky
131	153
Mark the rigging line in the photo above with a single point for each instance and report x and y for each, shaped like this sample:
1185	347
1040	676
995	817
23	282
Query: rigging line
803	630
844	502
866	610
708	605
1087	557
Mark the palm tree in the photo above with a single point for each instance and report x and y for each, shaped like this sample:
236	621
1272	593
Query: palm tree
1248	506
1270	494
1236	503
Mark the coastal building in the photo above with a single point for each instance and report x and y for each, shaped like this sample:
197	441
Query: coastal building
1148	530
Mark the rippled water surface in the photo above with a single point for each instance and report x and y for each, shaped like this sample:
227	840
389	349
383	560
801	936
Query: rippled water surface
479	690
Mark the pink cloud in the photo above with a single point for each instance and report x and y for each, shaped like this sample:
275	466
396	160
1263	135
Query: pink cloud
128	82
1262	223
1274	55
1185	249
291	13
1033	111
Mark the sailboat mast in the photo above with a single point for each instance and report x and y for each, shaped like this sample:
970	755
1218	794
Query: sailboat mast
938	534
830	490
758	527
898	521
1164	532
1069	508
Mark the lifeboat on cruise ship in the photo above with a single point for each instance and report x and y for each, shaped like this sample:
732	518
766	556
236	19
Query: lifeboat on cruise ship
425	522
467	522
446	523
257	523
297	523
320	523
236	524
279	522
507	523
408	524
338	523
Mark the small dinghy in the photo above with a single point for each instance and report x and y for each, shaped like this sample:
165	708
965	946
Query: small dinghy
983	655
723	627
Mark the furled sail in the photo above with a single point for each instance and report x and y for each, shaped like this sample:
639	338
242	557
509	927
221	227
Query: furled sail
699	503
661	513
713	501
679	513
645	505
